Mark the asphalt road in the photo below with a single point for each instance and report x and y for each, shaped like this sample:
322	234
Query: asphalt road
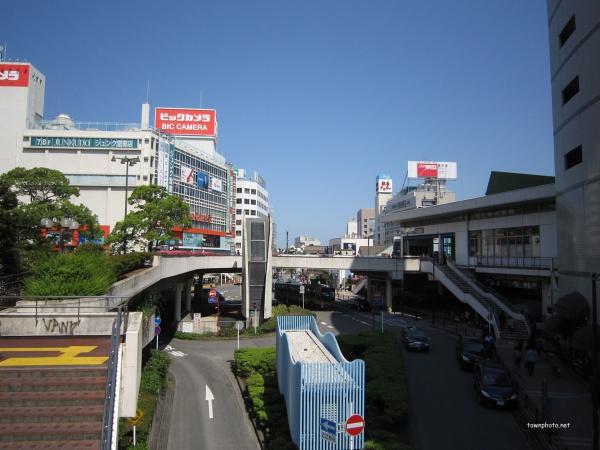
443	410
196	364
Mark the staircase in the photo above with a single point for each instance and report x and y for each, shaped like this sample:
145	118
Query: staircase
52	407
362	284
515	326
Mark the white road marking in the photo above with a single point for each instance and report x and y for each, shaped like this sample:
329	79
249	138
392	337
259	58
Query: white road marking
323	323
329	326
209	397
364	323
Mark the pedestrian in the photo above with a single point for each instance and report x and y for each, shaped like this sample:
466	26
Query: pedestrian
530	360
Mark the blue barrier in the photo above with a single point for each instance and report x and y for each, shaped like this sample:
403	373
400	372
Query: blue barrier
319	394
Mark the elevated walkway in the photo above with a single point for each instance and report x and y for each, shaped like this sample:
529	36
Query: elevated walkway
487	303
319	385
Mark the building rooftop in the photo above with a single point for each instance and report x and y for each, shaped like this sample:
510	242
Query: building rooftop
510	181
305	347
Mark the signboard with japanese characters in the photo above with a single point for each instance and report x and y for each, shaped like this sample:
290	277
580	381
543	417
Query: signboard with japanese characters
383	184
83	142
14	75
186	121
432	169
162	164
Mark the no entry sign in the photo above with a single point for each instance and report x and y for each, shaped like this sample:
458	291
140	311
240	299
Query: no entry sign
355	425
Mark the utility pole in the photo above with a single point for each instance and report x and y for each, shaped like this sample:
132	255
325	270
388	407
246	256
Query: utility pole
287	242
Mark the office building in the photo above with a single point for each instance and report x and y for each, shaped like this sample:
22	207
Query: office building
251	201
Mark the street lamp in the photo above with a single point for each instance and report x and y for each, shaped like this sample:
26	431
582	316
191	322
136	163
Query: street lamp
128	161
67	224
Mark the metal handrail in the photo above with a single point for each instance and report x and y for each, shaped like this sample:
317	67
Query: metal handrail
111	384
525	262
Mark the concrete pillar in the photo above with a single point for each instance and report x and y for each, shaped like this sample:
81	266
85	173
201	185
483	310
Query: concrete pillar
188	295
178	293
388	294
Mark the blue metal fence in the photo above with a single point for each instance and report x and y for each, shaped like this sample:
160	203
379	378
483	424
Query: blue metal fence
319	396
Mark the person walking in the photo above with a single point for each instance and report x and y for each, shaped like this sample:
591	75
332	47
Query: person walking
530	360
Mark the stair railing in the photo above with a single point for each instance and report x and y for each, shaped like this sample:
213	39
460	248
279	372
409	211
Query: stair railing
111	384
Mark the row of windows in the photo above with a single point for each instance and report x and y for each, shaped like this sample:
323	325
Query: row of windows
252	192
505	242
200	164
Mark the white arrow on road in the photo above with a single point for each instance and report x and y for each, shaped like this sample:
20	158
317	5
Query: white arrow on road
209	398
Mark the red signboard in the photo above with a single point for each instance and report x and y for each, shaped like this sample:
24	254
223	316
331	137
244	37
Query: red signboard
427	170
186	121
355	425
201	217
14	74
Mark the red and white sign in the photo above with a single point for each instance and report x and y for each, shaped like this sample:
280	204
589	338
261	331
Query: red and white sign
355	424
432	169
384	186
186	121
14	75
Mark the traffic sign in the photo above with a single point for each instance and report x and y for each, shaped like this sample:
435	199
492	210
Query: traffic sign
355	425
157	320
136	419
328	429
157	330
239	325
302	289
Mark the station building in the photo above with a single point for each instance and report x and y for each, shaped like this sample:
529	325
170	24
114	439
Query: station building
90	154
506	239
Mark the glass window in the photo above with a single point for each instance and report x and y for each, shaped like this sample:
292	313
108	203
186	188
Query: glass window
239	190
238	201
238	211
253	191
246	191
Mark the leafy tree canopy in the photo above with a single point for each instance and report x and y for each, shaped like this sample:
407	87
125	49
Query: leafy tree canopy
40	184
155	214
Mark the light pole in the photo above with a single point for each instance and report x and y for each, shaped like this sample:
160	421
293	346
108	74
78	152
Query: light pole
128	161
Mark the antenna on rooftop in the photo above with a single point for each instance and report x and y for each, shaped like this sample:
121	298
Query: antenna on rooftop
3	48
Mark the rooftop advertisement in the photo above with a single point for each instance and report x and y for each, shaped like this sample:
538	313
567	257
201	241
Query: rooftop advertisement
383	185
432	169
186	121
15	75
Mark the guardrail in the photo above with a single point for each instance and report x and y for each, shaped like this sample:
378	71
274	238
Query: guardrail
110	392
520	262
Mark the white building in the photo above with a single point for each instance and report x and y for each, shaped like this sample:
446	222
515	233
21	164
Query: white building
574	31
351	227
383	194
90	156
251	201
303	241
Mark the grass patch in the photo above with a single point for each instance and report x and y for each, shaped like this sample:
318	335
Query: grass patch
152	383
386	398
257	367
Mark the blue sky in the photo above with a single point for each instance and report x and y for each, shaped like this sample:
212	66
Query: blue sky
318	96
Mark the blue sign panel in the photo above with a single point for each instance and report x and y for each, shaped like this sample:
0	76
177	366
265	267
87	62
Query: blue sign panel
202	180
328	429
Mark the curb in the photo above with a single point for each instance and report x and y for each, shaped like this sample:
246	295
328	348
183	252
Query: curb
161	422
259	434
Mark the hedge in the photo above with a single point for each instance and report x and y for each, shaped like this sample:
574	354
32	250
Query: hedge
386	398
257	365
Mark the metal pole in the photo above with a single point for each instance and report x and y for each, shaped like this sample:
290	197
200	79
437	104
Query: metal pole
302	300
134	442
126	189
238	340
157	342
595	361
255	321
381	322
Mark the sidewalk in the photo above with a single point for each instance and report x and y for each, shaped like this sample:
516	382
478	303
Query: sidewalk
569	399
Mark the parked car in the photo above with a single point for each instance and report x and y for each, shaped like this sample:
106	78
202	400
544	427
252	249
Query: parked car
469	351
414	338
493	385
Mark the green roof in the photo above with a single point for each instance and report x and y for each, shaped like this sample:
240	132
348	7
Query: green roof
510	181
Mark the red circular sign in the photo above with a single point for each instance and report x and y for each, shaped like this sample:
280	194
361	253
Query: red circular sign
355	425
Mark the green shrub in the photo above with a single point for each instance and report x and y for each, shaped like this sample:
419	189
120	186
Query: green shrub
130	261
85	273
247	361
88	247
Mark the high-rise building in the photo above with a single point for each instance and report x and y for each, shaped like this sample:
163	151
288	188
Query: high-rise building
365	221
383	194
251	201
91	156
574	31
351	227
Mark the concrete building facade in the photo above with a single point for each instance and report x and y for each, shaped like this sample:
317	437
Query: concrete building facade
251	201
365	220
574	35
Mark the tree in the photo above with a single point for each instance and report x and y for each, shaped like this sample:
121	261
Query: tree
42	193
9	258
154	214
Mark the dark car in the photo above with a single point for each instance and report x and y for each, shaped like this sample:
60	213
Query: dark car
415	339
493	385
469	351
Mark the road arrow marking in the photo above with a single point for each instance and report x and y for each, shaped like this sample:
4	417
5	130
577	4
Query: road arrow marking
209	398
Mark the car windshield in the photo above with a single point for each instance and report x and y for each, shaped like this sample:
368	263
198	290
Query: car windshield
473	347
496	378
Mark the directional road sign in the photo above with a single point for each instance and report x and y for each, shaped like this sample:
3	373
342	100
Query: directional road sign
157	330
138	416
355	425
157	320
328	429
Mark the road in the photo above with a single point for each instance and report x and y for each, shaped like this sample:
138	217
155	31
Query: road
196	364
443	410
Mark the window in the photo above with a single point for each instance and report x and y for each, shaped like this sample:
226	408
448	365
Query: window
570	90
567	31
253	202
253	191
238	222
252	212
238	211
238	233
573	157
238	201
239	190
246	191
152	161
247	211
246	201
